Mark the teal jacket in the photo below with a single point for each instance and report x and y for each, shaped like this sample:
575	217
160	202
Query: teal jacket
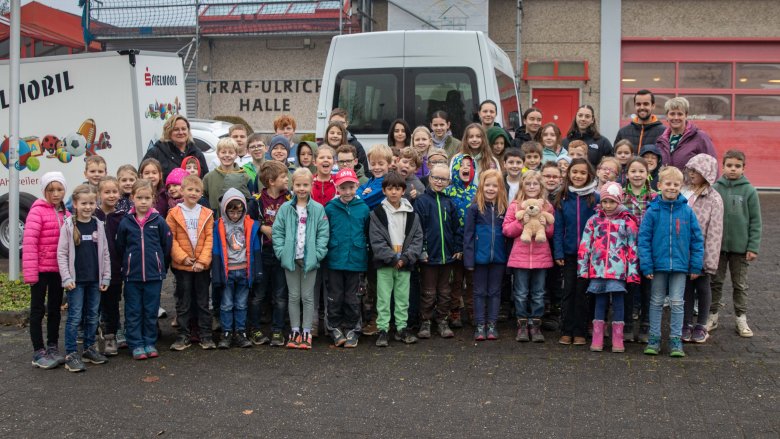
285	229
741	217
348	245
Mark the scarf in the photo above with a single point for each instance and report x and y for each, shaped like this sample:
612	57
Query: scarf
440	143
585	190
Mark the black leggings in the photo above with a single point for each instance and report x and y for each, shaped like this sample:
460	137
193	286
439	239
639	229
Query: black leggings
50	283
574	306
109	307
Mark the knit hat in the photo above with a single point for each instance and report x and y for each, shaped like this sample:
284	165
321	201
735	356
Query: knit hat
495	132
611	191
50	177
344	176
176	176
277	140
566	158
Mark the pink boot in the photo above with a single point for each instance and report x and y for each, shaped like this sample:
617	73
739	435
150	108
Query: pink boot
597	345
617	337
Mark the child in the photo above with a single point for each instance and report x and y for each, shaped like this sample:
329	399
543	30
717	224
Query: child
553	282
173	185
741	238
323	190
191	164
578	149
396	155
461	191
608	170
708	207
227	175
396	240
624	152
346	158
574	204
422	145
41	270
499	141
551	179
335	134
280	151
532	156
264	210
608	257
636	198
257	149
379	159
552	150
563	164
528	260
192	228
513	166
484	251
670	249
237	250
151	171
300	240
347	257
85	268
108	195
442	245
435	157
475	145
306	153
144	241
127	175
442	137
94	171
408	164
654	159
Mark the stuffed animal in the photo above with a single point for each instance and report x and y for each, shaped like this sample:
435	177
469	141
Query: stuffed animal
534	220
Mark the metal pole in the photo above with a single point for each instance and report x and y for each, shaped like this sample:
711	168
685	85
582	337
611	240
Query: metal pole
13	143
518	28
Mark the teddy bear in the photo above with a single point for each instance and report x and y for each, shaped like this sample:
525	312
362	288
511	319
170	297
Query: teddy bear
534	220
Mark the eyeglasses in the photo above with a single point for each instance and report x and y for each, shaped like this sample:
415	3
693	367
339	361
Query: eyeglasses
345	162
440	179
609	171
256	146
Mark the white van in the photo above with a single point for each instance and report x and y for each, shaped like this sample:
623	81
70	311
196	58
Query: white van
381	76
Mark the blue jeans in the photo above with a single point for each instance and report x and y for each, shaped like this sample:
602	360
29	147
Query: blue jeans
232	309
275	280
602	304
528	286
672	284
142	300
84	300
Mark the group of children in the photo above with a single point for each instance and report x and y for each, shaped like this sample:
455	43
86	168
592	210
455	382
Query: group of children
428	236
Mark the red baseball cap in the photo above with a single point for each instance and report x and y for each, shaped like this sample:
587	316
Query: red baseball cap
345	175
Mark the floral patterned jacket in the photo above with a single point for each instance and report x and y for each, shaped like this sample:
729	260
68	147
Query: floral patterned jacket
608	247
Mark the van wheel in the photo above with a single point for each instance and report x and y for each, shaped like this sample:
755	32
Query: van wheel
25	203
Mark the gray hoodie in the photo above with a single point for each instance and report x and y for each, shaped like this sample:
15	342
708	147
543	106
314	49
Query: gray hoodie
235	235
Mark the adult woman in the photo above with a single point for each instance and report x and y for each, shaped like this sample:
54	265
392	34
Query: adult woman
400	134
584	128
532	121
442	136
174	145
682	140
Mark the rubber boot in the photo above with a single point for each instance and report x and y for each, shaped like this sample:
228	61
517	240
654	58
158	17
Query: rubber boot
617	337
597	344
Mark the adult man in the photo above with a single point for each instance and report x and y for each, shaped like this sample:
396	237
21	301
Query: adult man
644	127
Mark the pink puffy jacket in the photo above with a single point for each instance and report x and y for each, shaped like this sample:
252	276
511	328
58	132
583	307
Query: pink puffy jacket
41	236
527	255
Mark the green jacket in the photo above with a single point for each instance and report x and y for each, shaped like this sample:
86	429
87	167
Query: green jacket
253	174
217	182
285	229
741	215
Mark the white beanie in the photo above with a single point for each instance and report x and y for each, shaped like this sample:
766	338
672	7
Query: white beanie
50	177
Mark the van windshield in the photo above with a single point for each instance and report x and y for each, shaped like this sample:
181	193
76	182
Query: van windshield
374	98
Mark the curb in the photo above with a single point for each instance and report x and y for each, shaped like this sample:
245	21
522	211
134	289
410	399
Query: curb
14	318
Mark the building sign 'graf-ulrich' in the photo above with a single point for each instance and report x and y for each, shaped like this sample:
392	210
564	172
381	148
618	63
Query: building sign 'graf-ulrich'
275	95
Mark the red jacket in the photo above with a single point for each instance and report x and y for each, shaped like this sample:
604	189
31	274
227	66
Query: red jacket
323	191
41	236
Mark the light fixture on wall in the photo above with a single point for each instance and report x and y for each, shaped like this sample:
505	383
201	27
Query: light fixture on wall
628	80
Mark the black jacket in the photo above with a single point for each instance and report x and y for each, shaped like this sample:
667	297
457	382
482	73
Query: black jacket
597	148
640	134
170	157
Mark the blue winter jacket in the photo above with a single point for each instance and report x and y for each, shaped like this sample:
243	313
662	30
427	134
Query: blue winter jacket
145	249
376	196
442	236
348	244
483	238
570	220
670	238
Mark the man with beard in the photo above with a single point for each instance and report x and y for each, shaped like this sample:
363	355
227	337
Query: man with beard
644	127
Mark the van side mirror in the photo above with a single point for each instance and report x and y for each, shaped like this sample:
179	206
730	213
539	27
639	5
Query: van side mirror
514	120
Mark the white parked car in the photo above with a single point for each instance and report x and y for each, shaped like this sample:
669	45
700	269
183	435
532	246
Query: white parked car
206	133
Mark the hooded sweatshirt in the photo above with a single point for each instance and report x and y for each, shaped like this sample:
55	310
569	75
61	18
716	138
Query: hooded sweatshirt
653	149
236	244
742	218
395	234
461	192
708	207
235	236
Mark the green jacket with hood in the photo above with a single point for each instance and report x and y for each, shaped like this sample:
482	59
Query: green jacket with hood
741	215
285	229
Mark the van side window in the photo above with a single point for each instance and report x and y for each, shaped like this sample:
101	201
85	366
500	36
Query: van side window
452	89
372	98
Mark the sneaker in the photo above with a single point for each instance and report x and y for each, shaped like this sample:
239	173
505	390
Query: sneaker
43	360
139	354
644	333
121	341
224	342
676	347
277	339
492	332
110	349
54	353
305	341
175	322
444	329
384	340
258	338
91	355
161	313
405	336
522	330
338	337
712	321
425	329
352	339
687	332
73	363
700	334
370	328
653	345
207	344
182	342
240	339
455	320
294	341
151	352
579	341
479	333
742	327
536	331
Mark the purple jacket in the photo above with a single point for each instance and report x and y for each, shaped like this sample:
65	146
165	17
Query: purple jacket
693	141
